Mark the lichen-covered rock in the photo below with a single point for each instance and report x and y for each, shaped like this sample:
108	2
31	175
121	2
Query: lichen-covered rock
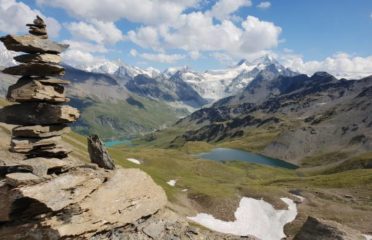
98	153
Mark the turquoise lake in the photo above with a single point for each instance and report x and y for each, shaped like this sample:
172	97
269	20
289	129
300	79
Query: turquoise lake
228	154
113	143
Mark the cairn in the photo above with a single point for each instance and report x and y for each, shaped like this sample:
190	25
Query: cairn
40	95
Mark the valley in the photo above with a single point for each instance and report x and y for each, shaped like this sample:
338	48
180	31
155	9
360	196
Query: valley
302	120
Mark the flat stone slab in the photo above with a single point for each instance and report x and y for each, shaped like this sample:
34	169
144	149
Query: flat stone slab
32	44
63	190
31	91
38	131
33	113
26	145
127	196
35	69
46	80
18	179
59	151
43	58
45	166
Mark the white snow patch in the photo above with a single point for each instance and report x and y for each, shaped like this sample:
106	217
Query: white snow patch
368	237
172	183
185	190
133	160
253	217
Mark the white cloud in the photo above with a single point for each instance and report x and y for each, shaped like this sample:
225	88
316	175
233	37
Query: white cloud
264	5
15	15
77	58
144	11
146	37
97	31
194	55
224	8
198	32
223	58
370	15
162	57
133	52
85	46
340	65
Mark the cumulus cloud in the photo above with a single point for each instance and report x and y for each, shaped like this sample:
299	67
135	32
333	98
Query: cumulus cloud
197	31
133	52
224	8
85	46
162	57
15	15
264	5
341	65
223	58
145	11
97	31
146	37
79	58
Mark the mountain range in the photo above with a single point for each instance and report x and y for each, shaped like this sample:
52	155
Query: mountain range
140	97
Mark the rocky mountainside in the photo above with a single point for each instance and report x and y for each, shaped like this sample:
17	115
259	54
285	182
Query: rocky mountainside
107	108
172	89
301	119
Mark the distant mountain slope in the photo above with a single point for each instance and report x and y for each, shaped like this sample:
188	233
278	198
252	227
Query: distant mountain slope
107	108
171	89
300	119
111	110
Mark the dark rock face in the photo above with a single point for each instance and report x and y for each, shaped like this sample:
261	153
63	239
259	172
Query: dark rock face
98	153
326	230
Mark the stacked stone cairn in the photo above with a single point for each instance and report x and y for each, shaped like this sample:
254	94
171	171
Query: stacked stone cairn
40	113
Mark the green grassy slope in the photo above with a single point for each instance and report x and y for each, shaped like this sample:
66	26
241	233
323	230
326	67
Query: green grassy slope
123	119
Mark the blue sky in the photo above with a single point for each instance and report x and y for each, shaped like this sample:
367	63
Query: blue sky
204	34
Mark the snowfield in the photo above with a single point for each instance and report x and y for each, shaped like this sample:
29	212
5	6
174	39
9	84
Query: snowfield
172	183
253	217
133	160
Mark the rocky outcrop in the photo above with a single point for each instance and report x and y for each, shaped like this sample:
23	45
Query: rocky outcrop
77	203
39	96
26	90
39	131
98	153
32	44
320	229
36	113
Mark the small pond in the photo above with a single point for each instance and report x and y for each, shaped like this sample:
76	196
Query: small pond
228	154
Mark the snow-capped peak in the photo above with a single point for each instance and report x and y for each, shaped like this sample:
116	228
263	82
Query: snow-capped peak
107	67
6	57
